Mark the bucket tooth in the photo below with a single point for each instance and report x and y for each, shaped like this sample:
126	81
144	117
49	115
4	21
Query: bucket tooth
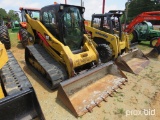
120	86
98	101
89	109
133	61
110	94
98	104
123	83
114	90
104	96
85	91
104	99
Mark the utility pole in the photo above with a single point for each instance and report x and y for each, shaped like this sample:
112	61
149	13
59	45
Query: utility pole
126	12
103	6
82	3
65	1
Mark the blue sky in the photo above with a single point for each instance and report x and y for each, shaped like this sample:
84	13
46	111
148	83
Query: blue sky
91	6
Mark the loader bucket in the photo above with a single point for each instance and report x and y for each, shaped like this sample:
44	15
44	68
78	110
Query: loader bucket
83	92
154	53
133	61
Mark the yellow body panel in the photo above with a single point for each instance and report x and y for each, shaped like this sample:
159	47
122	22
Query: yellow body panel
31	35
3	60
3	55
115	43
1	92
66	56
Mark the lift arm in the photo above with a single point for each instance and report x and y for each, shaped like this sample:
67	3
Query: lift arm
154	15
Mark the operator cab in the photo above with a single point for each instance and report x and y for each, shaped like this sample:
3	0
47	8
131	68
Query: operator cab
108	22
143	29
66	23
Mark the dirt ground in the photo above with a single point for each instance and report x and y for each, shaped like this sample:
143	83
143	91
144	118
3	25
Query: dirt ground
138	100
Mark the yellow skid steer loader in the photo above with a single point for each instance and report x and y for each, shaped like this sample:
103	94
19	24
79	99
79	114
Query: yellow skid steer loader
65	57
111	42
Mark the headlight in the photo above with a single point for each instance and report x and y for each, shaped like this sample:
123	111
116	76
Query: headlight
83	10
61	7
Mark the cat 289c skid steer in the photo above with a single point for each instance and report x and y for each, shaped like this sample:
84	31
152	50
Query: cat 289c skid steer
64	56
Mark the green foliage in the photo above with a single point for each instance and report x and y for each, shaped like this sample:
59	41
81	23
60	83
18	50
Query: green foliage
10	16
13	38
136	7
3	13
120	111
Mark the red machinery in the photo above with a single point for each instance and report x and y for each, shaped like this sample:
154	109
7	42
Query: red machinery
154	15
22	34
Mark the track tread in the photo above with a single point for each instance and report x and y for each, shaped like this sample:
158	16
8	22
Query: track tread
12	76
54	70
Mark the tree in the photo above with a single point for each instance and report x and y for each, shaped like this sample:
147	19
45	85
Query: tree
13	16
136	7
3	13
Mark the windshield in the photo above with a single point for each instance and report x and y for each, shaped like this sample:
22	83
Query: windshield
73	28
150	25
33	14
97	23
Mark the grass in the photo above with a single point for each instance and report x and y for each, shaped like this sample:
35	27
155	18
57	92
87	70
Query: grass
13	38
119	100
137	92
146	102
133	88
120	111
119	96
104	111
105	118
143	45
148	75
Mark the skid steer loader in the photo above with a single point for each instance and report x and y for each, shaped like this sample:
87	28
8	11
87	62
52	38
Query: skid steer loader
17	97
64	57
111	42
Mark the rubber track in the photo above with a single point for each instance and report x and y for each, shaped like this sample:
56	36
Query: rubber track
13	78
53	69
